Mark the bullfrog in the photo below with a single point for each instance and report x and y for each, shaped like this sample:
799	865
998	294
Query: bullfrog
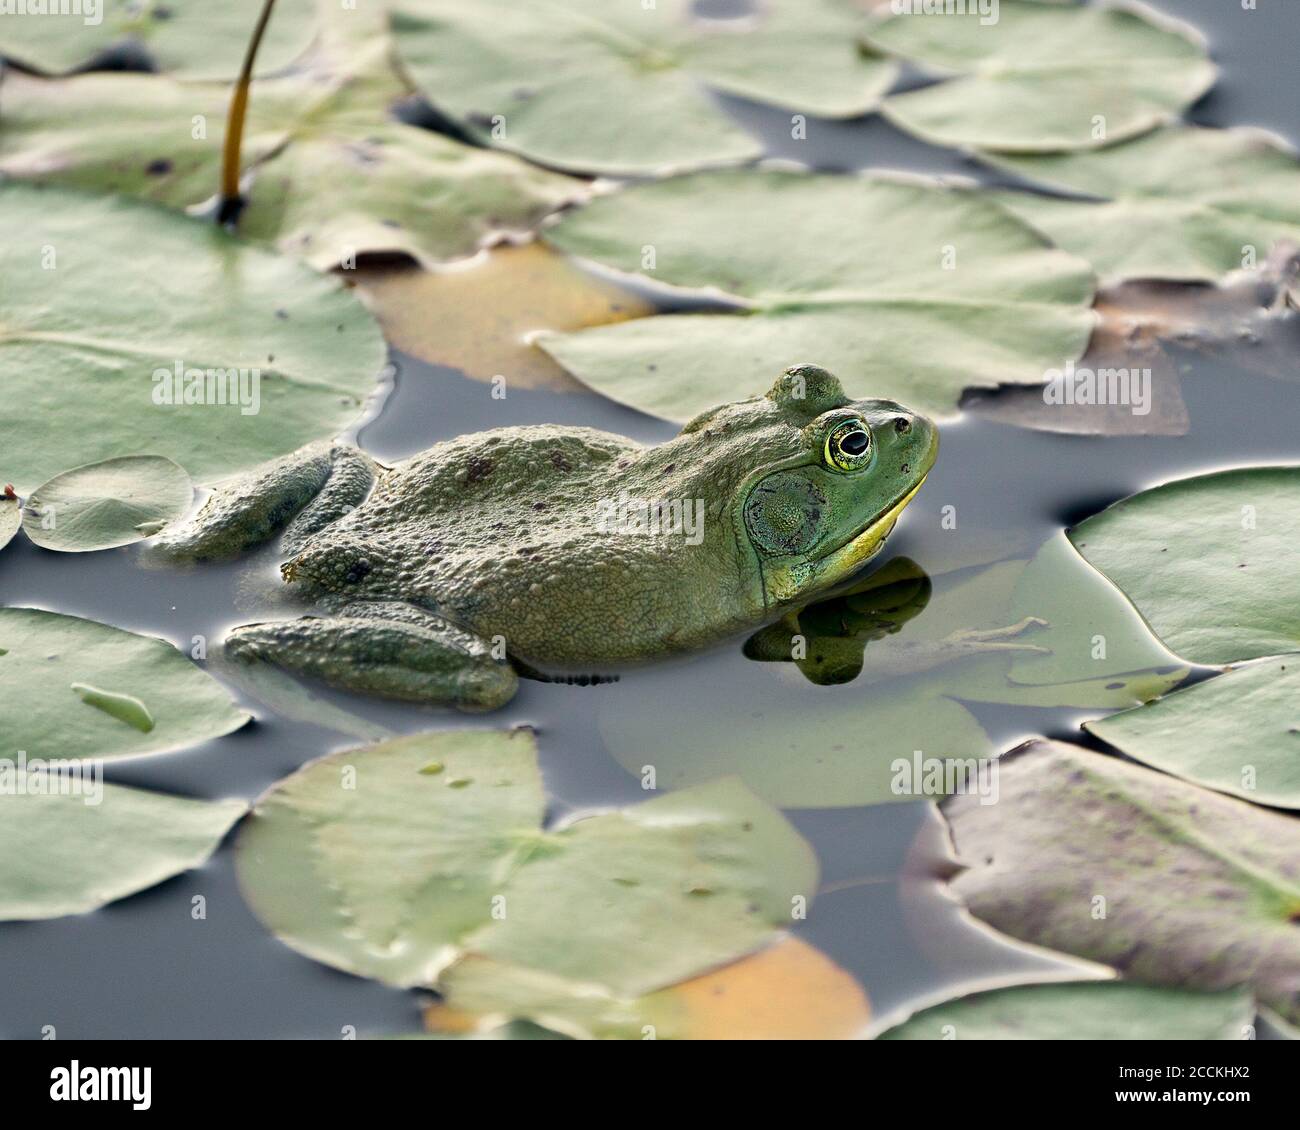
551	551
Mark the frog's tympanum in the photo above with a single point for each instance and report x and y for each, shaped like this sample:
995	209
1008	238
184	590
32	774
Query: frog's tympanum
566	549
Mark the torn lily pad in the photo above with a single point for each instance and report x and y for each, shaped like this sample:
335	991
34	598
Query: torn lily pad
624	88
624	903
168	336
76	688
1088	1010
71	844
1044	77
11	516
103	505
192	38
1208	561
1238	733
1181	203
905	288
1168	883
331	174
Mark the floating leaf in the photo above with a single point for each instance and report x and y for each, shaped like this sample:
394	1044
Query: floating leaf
333	173
1170	884
588	85
788	991
11	517
622	903
1089	1010
849	272
1041	77
102	505
480	319
124	679
1208	561
194	38
72	843
117	297
1180	203
1238	733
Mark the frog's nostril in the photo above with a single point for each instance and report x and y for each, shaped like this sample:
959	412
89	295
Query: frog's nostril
902	425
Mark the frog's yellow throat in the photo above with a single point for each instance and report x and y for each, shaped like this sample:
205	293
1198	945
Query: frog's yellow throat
783	582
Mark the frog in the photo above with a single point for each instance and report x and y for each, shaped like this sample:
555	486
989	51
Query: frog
552	552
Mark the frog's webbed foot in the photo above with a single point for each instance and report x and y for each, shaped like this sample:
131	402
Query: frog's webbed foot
304	490
385	648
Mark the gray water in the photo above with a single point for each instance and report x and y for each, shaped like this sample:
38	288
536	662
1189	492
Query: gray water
143	968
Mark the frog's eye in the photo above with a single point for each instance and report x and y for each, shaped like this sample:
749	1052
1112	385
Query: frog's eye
848	446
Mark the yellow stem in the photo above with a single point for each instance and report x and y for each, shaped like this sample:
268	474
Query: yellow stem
230	202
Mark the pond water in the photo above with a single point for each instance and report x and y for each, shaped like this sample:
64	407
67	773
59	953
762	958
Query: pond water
143	967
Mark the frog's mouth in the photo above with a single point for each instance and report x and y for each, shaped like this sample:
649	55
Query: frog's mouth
787	582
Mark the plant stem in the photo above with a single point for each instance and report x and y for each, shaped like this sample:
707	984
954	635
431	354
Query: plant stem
231	203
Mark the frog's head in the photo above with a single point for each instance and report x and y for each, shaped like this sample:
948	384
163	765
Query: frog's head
826	480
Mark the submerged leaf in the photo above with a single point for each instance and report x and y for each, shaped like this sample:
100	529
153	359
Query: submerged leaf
333	174
1208	561
194	38
1089	1010
1238	733
1180	203
1040	77
366	861
624	88
906	289
71	845
125	679
126	302
102	505
1170	884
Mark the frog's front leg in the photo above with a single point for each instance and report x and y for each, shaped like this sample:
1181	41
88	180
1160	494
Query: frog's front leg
385	648
299	493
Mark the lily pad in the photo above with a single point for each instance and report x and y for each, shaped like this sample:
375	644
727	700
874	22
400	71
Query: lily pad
117	297
76	688
103	505
852	272
1168	883
588	85
11	517
1088	1010
332	173
1045	77
628	902
1238	733
194	38
1181	203
73	844
1208	561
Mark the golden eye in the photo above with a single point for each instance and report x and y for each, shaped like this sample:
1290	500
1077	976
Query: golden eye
848	446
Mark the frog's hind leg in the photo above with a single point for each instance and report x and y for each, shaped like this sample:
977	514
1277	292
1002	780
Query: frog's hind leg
317	484
385	648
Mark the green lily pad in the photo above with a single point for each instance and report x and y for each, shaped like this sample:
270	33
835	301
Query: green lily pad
85	849
588	85
332	174
1181	203
11	518
1238	733
73	844
116	297
1208	561
400	859
1166	882
102	505
1088	1010
1039	78
194	38
849	272
76	688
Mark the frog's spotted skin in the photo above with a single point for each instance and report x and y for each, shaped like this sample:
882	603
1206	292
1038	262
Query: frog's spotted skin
506	538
